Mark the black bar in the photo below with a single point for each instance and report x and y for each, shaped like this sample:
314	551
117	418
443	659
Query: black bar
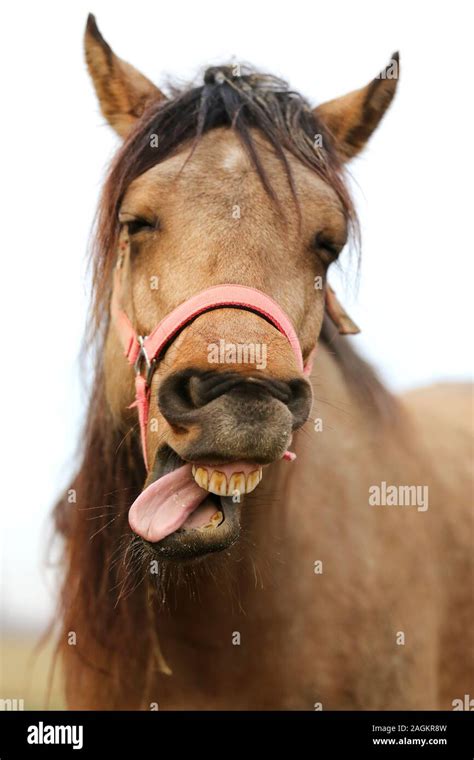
371	734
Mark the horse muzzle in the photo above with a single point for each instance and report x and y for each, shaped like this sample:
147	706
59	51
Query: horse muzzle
228	428
223	426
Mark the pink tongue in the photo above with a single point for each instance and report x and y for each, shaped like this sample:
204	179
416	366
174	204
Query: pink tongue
166	504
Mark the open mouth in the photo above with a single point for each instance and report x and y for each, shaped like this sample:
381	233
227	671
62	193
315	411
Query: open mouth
188	502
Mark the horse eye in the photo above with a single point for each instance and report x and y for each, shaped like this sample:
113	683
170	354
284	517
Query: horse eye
324	243
140	225
137	223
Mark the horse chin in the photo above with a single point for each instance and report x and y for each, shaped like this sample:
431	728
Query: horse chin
192	543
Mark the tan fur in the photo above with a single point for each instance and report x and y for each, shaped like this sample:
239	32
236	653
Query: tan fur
306	638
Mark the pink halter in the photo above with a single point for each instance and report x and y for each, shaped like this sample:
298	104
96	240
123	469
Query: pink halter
143	352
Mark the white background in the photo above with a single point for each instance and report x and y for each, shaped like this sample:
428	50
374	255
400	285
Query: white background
415	202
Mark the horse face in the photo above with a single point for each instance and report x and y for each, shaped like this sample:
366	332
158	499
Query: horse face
227	395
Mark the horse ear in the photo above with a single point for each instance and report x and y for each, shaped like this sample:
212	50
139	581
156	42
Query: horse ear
352	118
339	316
122	91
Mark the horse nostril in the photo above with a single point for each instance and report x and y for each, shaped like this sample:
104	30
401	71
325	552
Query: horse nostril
174	397
184	393
300	402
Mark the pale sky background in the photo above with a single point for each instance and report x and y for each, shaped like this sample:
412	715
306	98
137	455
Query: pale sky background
414	199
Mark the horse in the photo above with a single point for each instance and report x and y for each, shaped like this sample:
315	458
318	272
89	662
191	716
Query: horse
256	522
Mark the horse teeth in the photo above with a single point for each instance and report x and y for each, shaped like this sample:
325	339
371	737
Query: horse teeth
201	476
253	479
215	521
237	483
216	481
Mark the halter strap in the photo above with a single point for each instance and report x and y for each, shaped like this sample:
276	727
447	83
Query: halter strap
144	352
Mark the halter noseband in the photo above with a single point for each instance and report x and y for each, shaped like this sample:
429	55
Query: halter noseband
143	352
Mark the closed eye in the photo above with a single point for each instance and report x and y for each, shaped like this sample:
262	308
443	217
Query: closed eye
327	246
136	224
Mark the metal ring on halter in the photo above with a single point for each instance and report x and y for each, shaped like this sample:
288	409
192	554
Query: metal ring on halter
143	358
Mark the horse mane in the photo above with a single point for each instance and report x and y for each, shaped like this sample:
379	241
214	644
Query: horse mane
105	591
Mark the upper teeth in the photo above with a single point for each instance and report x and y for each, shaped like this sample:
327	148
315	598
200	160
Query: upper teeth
217	482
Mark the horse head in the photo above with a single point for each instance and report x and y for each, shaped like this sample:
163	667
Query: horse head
235	183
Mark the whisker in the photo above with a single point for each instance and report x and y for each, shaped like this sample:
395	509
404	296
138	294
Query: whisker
103	527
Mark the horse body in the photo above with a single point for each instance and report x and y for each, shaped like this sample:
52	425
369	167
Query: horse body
313	593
